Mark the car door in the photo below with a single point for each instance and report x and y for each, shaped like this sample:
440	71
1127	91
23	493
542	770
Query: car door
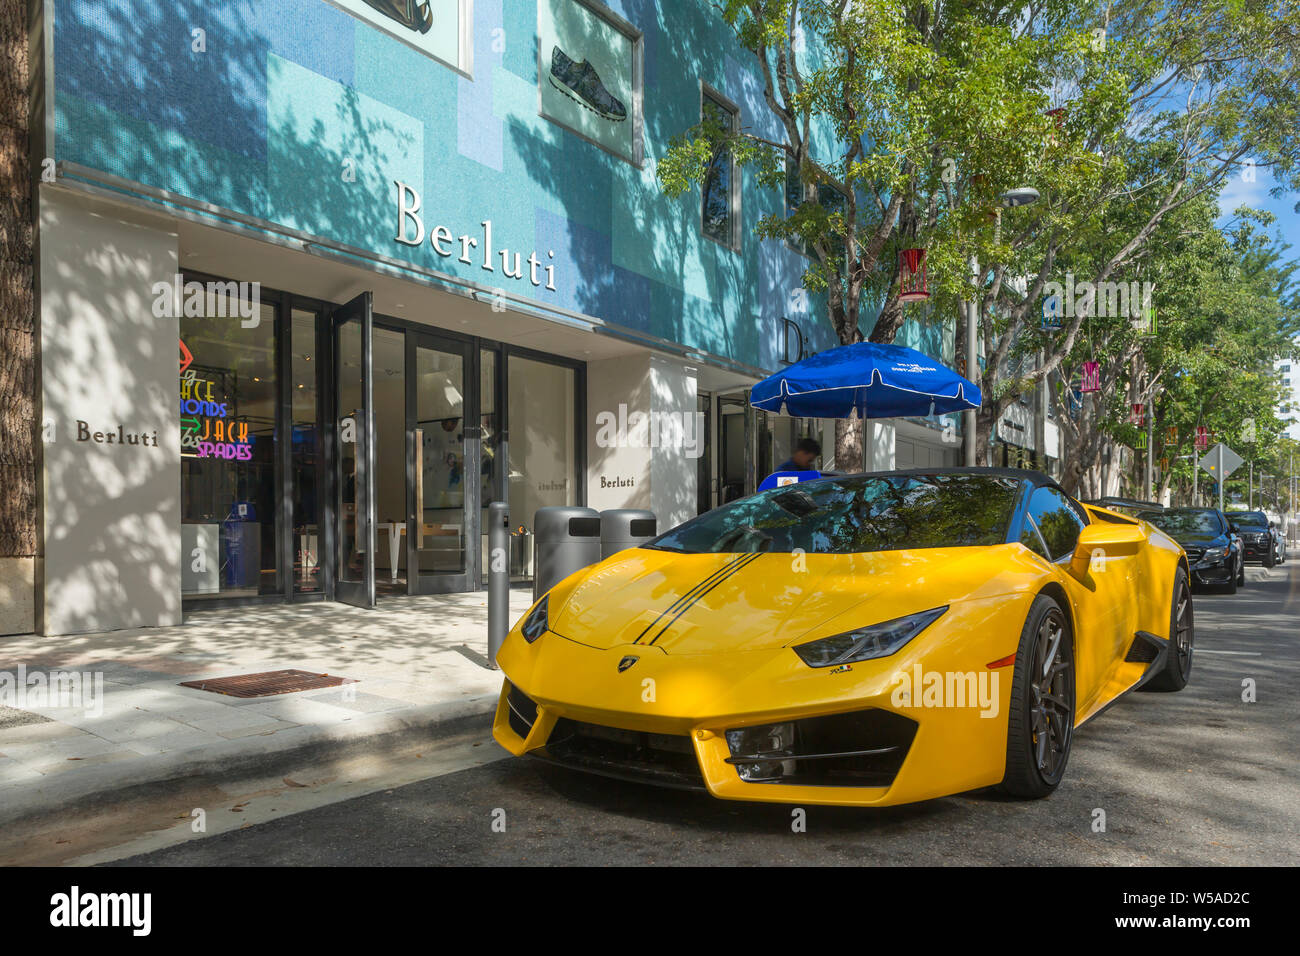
1104	601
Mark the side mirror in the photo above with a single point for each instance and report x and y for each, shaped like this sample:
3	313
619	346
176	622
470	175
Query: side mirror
1100	541
1232	526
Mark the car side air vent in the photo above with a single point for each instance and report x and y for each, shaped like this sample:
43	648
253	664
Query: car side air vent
1142	650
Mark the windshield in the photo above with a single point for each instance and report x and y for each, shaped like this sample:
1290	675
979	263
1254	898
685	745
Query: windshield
1249	519
856	514
1184	522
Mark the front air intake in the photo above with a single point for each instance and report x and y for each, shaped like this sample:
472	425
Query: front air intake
523	712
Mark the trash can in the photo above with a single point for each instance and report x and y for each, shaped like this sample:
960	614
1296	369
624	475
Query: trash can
622	528
566	538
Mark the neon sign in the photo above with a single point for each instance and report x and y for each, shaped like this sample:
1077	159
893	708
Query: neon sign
205	432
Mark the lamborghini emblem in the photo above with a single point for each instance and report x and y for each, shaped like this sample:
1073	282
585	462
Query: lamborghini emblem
627	662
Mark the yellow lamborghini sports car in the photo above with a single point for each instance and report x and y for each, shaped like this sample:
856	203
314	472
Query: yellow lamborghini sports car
862	640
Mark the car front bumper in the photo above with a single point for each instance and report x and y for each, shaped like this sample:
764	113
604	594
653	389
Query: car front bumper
1258	550
664	719
1220	570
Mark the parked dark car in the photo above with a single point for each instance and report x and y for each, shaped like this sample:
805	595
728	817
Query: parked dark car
1213	546
1128	506
1260	540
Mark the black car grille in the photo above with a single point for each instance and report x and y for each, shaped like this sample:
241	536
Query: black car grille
865	748
663	759
523	711
1194	554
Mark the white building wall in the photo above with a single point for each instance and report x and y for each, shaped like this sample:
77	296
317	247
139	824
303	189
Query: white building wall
109	367
636	459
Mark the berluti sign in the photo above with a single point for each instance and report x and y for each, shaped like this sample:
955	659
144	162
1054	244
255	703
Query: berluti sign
469	248
118	435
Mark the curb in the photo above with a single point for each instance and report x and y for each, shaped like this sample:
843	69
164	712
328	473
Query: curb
247	755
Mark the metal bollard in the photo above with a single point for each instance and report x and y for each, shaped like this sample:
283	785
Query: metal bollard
498	577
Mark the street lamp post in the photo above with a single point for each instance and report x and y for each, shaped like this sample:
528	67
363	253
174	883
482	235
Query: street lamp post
1010	199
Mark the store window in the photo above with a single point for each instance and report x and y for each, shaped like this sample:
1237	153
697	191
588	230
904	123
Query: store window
542	446
721	197
830	199
489	469
441	481
228	448
389	394
305	456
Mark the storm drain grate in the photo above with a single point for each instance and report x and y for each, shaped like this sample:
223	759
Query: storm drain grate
268	683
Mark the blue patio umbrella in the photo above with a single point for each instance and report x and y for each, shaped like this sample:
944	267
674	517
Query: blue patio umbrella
880	381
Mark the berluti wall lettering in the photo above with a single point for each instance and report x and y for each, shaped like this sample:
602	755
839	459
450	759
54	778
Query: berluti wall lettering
410	232
117	436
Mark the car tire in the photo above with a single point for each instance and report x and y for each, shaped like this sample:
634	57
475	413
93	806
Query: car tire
1241	571
1182	640
1231	586
1270	558
1040	725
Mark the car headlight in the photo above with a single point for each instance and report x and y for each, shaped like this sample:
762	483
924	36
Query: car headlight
534	625
878	640
1213	554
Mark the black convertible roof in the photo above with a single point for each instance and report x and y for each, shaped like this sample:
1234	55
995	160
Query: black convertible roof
1114	501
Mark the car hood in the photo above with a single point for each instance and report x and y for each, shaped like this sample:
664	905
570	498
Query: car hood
708	603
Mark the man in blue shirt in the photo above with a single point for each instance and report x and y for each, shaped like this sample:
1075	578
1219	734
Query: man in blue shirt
805	454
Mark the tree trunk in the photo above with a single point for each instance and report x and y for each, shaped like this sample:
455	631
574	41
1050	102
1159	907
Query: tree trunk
17	351
848	445
848	431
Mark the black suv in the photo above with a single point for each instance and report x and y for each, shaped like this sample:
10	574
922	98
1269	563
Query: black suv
1211	542
1259	537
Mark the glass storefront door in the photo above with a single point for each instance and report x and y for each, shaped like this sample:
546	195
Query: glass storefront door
735	447
331	454
355	476
442	466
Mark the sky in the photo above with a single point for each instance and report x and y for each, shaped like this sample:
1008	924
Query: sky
1239	192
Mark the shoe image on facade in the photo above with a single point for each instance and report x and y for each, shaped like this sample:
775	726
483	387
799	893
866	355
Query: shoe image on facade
409	13
581	83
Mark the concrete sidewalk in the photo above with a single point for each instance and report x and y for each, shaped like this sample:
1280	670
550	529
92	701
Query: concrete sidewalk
419	661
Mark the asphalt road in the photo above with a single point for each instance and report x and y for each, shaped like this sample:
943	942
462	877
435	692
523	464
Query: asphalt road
1198	777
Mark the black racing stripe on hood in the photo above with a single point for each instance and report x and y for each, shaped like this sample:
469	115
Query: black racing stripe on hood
689	594
731	569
